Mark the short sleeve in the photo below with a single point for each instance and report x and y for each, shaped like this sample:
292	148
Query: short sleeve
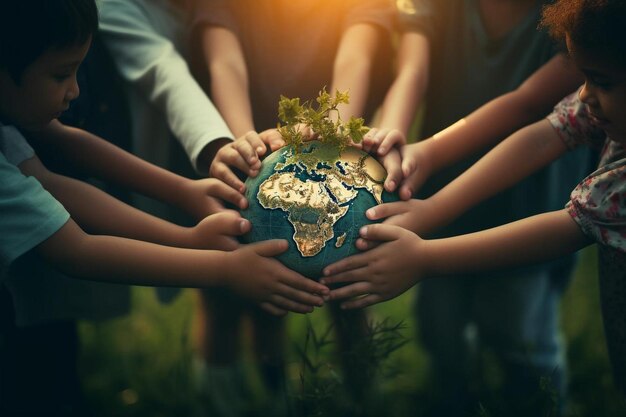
415	15
375	12
215	13
30	214
598	205
571	120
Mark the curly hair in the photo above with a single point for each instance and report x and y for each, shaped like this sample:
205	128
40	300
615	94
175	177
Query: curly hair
594	25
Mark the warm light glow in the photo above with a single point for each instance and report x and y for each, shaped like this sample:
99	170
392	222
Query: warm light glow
406	6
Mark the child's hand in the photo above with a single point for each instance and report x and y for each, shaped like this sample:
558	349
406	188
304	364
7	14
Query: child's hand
218	231
417	216
381	140
379	274
244	154
385	145
253	274
392	162
204	197
416	168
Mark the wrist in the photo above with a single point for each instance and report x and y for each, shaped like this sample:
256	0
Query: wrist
207	154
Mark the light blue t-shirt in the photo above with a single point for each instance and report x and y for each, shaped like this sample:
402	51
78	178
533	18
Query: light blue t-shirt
30	214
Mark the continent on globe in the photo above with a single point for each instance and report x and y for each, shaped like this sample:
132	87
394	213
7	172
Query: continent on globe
312	197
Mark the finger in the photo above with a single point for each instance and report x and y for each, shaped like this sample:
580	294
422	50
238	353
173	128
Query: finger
368	140
362	302
298	296
381	232
411	184
392	163
290	305
273	139
385	210
232	156
271	248
230	223
346	264
356	289
256	143
297	281
248	155
394	139
405	193
364	244
272	309
227	193
223	173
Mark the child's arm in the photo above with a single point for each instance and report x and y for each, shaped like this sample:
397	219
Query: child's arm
249	271
403	259
404	95
149	60
229	77
101	159
353	65
521	154
490	123
98	212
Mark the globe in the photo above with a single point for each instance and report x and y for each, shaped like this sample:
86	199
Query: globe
315	199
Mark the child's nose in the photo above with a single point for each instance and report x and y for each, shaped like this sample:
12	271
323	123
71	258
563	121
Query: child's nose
586	94
73	91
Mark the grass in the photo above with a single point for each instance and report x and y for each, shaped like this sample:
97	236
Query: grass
140	365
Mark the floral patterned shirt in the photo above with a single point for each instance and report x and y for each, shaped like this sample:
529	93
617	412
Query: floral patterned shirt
598	203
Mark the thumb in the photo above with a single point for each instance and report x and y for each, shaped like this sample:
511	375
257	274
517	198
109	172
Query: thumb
229	222
270	248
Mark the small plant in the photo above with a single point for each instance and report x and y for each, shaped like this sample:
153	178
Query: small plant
323	120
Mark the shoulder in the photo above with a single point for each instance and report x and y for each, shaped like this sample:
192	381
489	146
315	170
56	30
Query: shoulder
598	204
572	121
29	213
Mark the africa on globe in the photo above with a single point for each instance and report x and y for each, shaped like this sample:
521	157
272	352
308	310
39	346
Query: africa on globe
314	194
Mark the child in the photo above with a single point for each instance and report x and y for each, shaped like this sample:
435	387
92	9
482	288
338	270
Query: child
48	40
595	32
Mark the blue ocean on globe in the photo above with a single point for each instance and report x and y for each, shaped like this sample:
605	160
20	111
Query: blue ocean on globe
315	199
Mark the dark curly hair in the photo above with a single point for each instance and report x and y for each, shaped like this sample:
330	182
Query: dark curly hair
28	28
594	25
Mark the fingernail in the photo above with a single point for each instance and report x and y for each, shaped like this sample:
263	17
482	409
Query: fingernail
363	231
259	149
391	185
371	213
382	150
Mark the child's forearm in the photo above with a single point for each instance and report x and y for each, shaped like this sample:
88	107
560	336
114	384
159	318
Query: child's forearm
353	65
103	160
135	262
518	156
400	105
531	240
100	213
227	68
503	115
